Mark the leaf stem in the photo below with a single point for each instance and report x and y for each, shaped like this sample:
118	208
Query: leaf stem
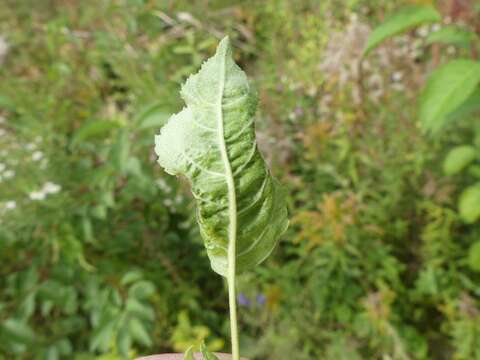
233	316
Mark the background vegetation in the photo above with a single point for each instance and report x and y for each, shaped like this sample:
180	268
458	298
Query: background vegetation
100	256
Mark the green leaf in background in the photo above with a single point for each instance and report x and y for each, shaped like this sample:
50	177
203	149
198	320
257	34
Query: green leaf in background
451	35
120	151
212	142
153	115
402	20
6	103
469	204
140	309
102	335
124	341
17	331
207	355
52	353
141	289
469	106
188	354
131	277
458	158
93	129
474	256
447	88
138	332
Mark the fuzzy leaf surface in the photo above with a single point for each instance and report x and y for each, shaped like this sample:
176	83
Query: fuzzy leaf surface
212	143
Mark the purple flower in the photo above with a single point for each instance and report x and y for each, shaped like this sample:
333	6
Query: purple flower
261	299
298	111
243	300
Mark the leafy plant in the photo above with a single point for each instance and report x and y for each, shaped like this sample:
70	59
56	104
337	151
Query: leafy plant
241	207
458	158
451	92
402	20
447	88
452	35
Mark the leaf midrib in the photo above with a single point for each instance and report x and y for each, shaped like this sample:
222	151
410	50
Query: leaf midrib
232	213
232	206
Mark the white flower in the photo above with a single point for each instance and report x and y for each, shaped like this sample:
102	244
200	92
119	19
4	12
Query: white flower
397	76
9	174
451	50
422	31
51	188
37	195
3	48
37	155
163	185
10	205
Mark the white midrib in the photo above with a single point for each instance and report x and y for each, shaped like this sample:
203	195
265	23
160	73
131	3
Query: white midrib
232	215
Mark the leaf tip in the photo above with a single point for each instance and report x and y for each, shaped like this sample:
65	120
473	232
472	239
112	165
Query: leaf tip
224	45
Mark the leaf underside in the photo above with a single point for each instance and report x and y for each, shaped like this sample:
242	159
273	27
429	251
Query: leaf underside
219	114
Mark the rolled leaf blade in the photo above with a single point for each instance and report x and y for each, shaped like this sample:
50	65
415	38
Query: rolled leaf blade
212	143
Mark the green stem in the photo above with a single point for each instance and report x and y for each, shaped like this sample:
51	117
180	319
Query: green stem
233	316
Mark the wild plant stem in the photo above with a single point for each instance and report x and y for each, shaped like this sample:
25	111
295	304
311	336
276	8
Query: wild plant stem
233	316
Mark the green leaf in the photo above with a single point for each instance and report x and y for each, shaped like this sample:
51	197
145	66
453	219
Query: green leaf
447	88
131	277
102	336
469	106
458	158
52	353
124	341
139	309
120	151
94	129
451	35
18	331
469	204
64	347
6	103
141	289
403	20
207	355
212	142
189	354
99	212
138	332
153	115
474	256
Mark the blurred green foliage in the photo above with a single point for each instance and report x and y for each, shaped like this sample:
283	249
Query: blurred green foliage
100	257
